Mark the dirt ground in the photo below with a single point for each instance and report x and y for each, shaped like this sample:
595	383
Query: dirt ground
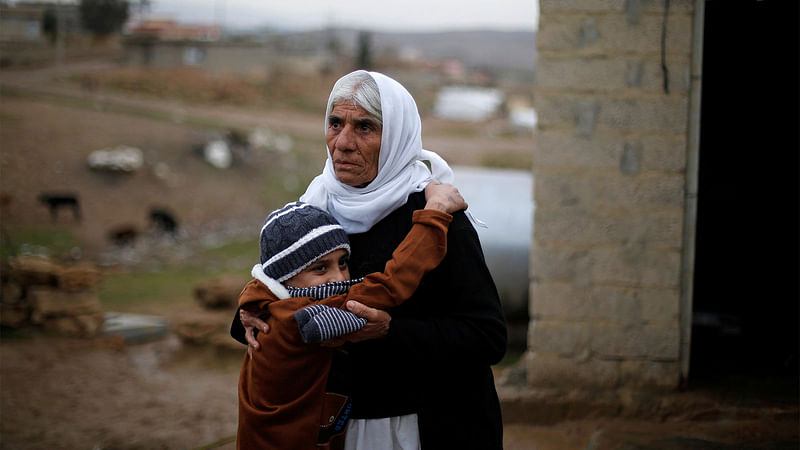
71	393
94	394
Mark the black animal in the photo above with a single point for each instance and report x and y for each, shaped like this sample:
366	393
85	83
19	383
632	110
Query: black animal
162	220
55	201
123	236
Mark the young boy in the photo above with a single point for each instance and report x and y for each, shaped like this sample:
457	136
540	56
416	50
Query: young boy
302	283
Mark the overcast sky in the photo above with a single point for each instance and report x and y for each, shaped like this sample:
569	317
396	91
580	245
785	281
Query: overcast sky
380	15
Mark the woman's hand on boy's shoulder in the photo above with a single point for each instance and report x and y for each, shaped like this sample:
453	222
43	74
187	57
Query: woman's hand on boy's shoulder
377	325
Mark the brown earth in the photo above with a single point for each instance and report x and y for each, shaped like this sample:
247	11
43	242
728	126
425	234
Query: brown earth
58	392
72	393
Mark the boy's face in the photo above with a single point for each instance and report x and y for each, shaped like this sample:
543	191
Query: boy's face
329	267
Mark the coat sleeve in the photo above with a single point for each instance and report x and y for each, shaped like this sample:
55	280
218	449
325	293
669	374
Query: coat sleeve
460	317
237	329
422	250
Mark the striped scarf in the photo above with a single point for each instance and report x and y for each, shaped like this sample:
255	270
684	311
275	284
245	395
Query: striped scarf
319	323
323	290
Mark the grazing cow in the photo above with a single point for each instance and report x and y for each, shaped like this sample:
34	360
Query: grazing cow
163	220
55	201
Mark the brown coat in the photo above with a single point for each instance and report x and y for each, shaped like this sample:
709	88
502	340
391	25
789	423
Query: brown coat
282	398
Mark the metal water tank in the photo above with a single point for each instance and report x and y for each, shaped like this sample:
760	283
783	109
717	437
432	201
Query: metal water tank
503	199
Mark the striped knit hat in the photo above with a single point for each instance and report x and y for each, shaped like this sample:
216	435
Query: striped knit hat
295	236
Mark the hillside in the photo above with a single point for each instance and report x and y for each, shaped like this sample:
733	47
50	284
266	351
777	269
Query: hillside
496	49
51	124
500	50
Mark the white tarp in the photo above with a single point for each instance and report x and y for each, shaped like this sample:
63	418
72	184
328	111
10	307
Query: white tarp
524	118
218	154
468	103
122	158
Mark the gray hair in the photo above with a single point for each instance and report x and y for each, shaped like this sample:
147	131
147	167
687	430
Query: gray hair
360	89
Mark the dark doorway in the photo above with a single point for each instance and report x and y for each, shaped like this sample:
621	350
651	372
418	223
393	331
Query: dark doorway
746	267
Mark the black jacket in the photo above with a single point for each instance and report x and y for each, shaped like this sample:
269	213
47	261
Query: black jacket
436	359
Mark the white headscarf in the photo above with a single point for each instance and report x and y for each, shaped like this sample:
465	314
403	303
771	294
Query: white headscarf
401	170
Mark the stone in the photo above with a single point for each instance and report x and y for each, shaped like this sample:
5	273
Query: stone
10	292
49	302
561	338
14	316
550	371
633	10
633	73
219	293
35	271
636	342
659	304
82	325
650	374
79	278
198	329
63	326
631	161
588	33
90	324
587	113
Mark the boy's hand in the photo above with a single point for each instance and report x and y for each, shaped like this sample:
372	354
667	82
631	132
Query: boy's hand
444	197
252	323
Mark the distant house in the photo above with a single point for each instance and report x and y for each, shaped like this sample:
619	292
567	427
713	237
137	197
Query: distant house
21	23
168	44
26	22
28	32
170	30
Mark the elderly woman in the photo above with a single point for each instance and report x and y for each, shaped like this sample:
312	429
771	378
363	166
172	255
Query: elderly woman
419	374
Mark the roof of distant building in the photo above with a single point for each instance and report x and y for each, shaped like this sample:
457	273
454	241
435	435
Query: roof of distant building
170	30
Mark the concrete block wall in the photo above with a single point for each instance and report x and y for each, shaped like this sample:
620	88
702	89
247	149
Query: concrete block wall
610	173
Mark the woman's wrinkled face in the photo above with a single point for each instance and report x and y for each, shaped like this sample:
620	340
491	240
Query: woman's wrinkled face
354	142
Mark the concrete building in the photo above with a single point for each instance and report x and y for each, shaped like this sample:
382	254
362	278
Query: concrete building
626	214
21	23
39	33
166	44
